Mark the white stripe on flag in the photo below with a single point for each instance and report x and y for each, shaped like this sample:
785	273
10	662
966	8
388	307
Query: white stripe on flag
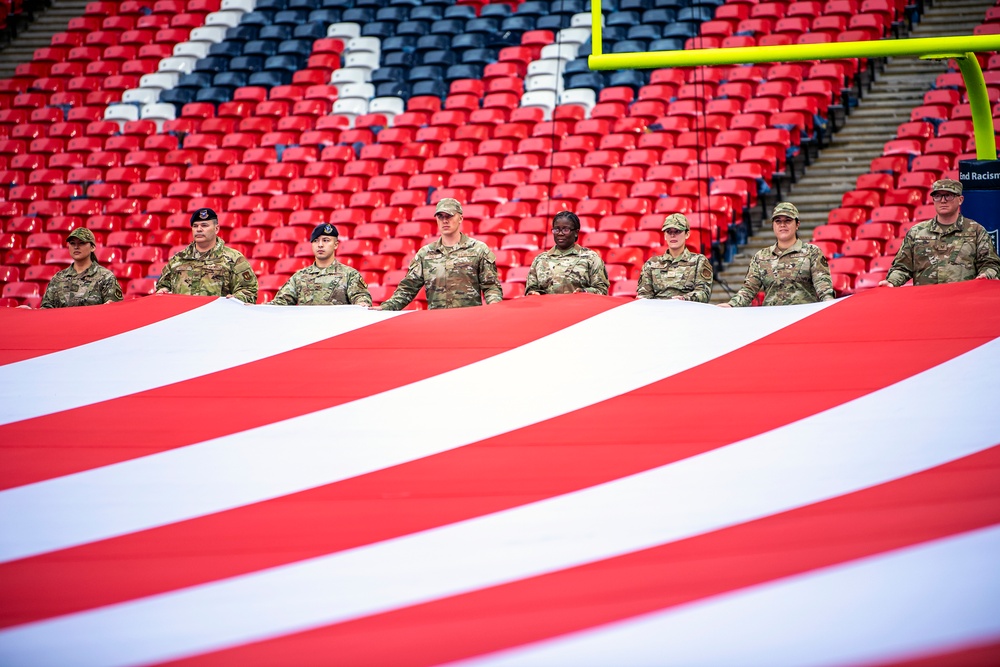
925	599
219	335
847	448
484	399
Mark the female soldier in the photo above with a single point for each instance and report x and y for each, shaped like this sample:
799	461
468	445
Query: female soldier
567	267
678	273
85	282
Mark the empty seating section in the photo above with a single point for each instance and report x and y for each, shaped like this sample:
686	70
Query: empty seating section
281	114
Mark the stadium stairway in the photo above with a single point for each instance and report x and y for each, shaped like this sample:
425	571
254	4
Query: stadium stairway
39	34
899	87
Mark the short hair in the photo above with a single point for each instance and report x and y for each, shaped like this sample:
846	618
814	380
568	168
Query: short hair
567	215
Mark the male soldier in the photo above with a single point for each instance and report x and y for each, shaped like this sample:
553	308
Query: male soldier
85	282
456	270
567	267
207	267
790	271
948	248
326	282
678	273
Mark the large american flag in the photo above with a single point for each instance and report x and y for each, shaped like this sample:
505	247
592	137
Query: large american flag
565	480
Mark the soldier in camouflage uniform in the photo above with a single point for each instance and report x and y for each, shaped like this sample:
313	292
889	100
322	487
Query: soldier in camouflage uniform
85	282
456	270
790	271
678	273
326	282
567	267
207	267
948	248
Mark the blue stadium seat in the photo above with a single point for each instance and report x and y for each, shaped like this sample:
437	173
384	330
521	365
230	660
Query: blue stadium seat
211	64
629	46
230	79
533	8
518	23
273	5
260	47
625	19
308	5
296	47
246	64
399	59
425	13
396	14
325	16
635	5
645	32
432	42
632	78
270	78
607	6
479	57
258	18
311	30
575	66
392	89
336	4
276	32
360	15
667	44
495	10
473	40
659	16
592	80
240	33
680	29
553	22
214	94
374	4
287	63
486	26
407	43
430	87
463	12
441	58
195	80
463	72
380	29
425	72
568	7
415	28
446	27
697	14
388	74
676	5
291	17
177	96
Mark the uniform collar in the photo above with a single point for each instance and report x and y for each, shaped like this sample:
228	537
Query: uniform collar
795	247
574	249
958	226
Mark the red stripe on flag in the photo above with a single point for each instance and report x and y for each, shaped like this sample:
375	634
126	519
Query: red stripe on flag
954	498
338	370
29	334
987	655
581	449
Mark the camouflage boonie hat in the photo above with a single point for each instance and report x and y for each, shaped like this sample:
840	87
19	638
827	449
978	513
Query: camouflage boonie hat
947	185
785	208
449	206
203	214
83	234
326	229
676	221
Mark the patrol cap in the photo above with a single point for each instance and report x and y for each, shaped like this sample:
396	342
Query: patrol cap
785	208
326	229
83	234
203	214
449	206
947	185
676	221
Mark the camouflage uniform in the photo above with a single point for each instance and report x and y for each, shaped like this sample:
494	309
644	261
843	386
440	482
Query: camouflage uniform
933	253
93	287
558	271
334	285
455	277
688	276
219	272
799	274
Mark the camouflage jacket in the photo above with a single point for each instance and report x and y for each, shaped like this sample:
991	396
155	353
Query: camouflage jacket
93	287
558	271
455	277
334	285
799	274
219	272
688	276
934	253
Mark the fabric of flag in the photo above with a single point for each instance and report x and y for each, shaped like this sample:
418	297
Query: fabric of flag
559	480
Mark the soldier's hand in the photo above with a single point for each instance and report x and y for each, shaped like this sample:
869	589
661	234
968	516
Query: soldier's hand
678	298
724	305
532	293
162	290
982	277
885	283
25	306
